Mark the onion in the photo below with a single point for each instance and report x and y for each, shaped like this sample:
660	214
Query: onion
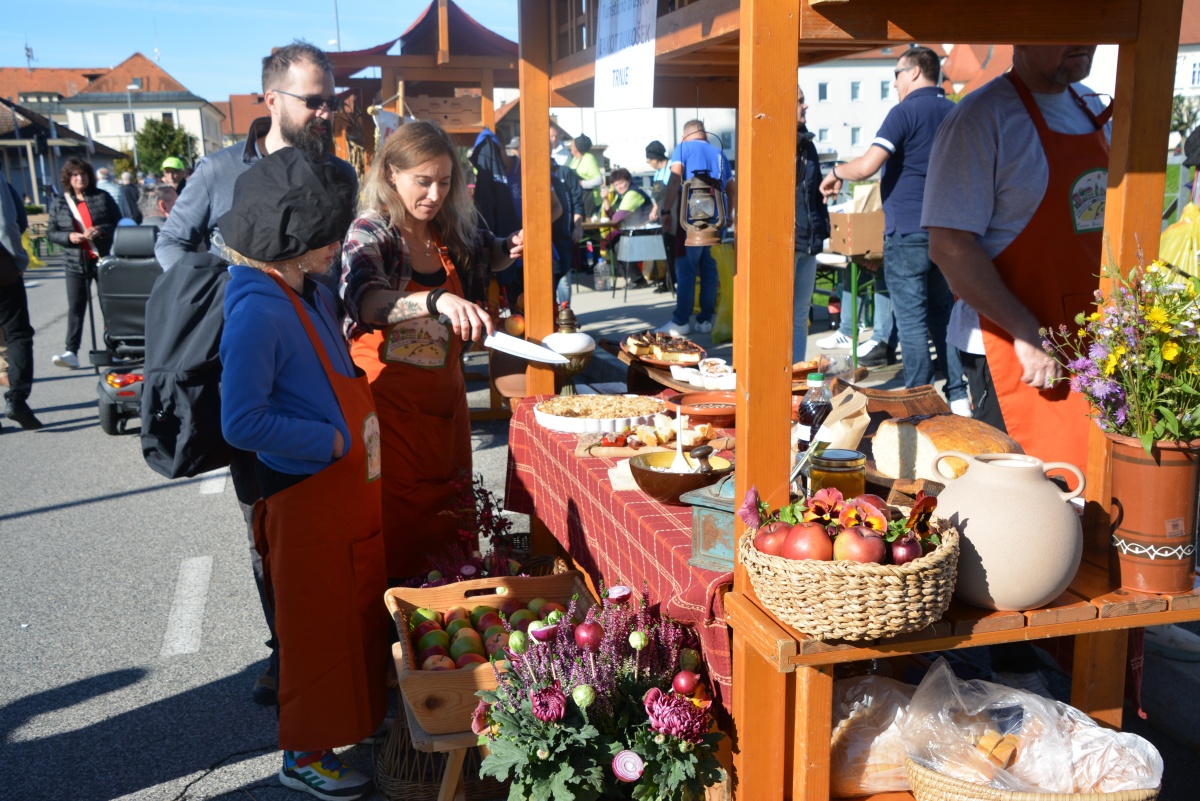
468	571
544	632
628	766
685	682
618	594
906	549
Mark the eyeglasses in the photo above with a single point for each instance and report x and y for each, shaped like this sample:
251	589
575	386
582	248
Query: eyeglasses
314	102
895	73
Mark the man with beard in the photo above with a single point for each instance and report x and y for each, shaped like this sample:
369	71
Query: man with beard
298	90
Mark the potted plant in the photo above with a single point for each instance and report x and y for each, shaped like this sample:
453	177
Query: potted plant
1136	359
610	708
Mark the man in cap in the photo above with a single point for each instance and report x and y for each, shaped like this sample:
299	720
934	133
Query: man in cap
656	157
174	173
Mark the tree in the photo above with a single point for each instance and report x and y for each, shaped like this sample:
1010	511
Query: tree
159	139
1185	114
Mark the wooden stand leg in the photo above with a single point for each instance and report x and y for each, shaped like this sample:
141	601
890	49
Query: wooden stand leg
813	709
1098	676
760	714
452	787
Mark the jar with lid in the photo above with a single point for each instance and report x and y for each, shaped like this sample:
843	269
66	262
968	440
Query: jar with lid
836	467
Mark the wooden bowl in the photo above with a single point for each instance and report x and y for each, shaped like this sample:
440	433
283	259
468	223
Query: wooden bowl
716	408
667	487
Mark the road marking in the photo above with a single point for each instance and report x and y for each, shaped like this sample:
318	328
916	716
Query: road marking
186	621
215	483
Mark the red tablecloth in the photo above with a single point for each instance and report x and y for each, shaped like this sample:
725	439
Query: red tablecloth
621	537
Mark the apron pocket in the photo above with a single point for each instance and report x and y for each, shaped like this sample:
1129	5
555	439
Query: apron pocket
370	575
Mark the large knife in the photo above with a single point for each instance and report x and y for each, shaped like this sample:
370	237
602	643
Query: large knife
523	348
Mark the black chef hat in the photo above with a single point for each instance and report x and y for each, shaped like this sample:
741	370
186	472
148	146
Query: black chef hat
656	150
285	206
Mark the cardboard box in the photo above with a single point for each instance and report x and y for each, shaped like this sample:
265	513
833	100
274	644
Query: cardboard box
857	234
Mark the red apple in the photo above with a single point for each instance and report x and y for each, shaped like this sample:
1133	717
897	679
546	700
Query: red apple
859	544
456	613
487	621
514	325
588	635
424	628
523	623
466	660
551	606
479	612
496	643
467	633
877	502
438	662
433	650
807	541
535	605
769	539
510	606
491	631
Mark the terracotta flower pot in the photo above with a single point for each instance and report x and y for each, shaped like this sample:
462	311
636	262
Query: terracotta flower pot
1154	515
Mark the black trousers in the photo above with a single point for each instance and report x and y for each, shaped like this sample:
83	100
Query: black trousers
243	471
79	288
983	393
14	319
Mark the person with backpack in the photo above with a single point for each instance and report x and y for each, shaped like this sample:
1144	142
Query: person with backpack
290	394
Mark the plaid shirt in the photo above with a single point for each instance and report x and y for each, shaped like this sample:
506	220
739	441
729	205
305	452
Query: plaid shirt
374	256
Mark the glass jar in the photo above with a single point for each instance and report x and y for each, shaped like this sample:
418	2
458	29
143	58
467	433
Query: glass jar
844	469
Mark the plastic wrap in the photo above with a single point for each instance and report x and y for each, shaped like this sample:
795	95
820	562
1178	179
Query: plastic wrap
867	752
1013	740
1180	243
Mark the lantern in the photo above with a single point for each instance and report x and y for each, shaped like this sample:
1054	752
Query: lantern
703	212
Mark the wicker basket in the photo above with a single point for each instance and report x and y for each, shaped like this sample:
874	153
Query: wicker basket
403	773
929	785
851	601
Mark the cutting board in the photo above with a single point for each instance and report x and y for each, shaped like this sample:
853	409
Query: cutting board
586	447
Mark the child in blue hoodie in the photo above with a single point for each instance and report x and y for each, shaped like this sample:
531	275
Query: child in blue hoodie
291	394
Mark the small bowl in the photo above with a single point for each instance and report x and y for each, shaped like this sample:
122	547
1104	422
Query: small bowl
713	407
667	487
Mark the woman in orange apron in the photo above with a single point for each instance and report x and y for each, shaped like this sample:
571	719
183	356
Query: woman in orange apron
412	264
291	394
1051	268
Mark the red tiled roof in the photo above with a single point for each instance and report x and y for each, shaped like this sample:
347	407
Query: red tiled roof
974	65
65	81
240	111
154	78
1189	25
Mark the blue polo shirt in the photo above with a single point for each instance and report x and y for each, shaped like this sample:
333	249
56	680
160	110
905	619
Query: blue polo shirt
907	134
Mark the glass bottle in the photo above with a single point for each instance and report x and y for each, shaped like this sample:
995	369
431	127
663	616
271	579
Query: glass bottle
814	408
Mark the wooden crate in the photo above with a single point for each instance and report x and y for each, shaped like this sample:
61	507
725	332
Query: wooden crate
443	700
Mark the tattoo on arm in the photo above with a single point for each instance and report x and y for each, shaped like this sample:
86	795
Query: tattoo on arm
404	308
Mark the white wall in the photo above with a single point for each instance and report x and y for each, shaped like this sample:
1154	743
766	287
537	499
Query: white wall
111	131
626	133
835	119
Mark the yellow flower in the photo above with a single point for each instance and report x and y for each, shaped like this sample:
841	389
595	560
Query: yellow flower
1082	333
1110	364
1093	317
1157	318
1171	350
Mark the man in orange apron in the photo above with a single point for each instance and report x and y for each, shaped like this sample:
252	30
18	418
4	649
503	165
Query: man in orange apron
1014	204
291	394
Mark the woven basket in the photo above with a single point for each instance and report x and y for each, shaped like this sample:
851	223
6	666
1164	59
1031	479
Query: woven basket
929	785
851	601
403	773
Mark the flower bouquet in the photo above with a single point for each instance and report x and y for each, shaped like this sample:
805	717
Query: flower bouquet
612	707
1137	357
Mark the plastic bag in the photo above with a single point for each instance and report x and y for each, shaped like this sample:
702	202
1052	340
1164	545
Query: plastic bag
1180	243
1013	740
867	751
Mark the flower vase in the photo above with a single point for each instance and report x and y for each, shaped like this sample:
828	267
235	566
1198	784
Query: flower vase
1154	515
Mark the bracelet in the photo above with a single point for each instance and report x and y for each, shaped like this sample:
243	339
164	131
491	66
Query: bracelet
431	301
833	171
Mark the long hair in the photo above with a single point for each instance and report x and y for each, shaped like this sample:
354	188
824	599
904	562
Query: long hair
72	166
410	146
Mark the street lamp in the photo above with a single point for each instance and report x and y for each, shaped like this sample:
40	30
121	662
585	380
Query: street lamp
132	123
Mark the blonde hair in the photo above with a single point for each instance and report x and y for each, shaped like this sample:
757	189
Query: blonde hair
410	146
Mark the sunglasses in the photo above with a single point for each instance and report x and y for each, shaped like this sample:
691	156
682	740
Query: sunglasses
314	102
895	73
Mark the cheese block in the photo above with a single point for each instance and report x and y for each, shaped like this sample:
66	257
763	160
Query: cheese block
640	344
679	351
905	447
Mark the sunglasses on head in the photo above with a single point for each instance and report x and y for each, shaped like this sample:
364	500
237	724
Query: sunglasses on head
314	102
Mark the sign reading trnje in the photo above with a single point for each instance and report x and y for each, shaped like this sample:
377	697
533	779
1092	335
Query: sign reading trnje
625	54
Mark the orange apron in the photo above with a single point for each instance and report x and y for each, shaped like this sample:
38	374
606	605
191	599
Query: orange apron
1051	267
416	377
323	564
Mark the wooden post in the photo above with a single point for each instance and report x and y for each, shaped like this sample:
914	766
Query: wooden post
1098	675
487	103
760	713
1133	214
813	713
37	195
443	56
387	88
762	297
533	73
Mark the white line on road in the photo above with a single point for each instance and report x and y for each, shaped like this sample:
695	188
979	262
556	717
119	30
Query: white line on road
215	483
186	621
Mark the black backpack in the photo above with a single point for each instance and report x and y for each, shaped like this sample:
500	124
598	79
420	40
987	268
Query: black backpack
181	399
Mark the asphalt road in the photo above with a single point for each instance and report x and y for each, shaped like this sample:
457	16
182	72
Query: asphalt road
106	692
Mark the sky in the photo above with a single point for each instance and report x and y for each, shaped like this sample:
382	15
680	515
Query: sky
213	47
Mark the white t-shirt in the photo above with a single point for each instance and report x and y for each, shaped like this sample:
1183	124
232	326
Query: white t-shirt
988	173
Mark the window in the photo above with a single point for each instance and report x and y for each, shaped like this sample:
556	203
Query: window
855	137
168	116
1196	73
822	92
885	90
136	83
822	134
96	122
128	119
856	90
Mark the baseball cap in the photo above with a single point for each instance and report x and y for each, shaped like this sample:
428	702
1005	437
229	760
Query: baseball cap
656	150
173	163
514	143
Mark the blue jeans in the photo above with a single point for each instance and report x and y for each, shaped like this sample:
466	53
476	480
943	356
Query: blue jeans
802	292
884	330
921	302
699	263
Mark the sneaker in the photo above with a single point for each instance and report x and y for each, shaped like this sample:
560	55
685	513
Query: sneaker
961	407
265	690
865	349
20	413
834	341
322	774
1173	642
1029	682
703	328
674	329
68	361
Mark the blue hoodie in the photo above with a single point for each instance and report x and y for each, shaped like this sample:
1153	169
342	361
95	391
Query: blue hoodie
275	397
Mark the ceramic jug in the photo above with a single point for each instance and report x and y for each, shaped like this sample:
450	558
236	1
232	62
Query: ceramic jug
1021	540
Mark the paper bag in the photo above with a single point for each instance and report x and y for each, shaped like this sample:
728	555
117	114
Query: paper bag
846	423
867	198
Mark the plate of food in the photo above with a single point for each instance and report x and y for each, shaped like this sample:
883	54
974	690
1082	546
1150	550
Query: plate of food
594	414
662	350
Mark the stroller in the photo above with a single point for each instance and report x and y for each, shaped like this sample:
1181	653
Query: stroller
123	283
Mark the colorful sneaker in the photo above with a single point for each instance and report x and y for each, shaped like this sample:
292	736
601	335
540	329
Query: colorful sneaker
322	774
834	341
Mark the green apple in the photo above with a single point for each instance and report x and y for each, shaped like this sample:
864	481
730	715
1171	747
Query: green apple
536	605
479	612
491	630
421	614
466	645
457	625
432	638
467	633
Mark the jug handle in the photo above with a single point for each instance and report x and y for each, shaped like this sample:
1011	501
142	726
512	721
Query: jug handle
937	461
1070	468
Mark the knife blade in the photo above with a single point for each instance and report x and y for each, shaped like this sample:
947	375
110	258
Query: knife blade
524	349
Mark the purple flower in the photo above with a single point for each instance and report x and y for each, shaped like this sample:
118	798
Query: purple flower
479	718
748	511
675	715
1097	352
549	704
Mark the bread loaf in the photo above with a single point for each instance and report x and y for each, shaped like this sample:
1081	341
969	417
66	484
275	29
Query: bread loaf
905	447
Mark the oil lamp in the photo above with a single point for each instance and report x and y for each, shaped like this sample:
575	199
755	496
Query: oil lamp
703	212
567	340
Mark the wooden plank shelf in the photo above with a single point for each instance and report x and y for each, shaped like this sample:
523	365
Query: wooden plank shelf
1189	600
1066	608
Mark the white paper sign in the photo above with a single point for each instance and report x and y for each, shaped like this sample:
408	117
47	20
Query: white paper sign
625	54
